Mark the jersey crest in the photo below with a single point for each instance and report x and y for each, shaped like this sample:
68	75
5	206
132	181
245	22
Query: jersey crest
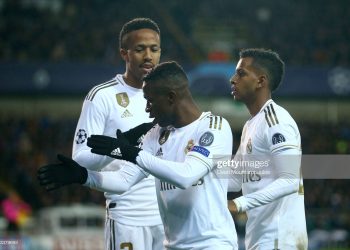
249	148
164	136
189	146
123	99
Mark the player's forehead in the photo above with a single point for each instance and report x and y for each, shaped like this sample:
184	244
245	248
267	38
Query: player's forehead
245	63
143	37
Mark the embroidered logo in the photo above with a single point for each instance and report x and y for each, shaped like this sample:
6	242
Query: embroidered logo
206	139
81	136
189	146
164	136
122	99
249	148
278	138
126	113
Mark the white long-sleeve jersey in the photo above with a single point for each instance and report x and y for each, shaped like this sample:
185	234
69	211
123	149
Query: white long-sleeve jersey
107	107
268	171
192	197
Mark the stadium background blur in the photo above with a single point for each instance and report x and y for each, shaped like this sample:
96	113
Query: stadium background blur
53	51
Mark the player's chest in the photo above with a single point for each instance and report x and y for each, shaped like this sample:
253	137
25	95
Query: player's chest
253	139
174	145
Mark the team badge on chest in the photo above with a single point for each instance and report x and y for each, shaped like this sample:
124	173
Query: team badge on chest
164	135
189	146
123	99
249	148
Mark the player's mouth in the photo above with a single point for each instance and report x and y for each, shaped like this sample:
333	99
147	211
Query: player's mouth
233	90
147	67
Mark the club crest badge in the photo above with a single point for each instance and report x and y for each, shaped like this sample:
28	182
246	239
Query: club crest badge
206	139
164	136
189	146
249	148
122	99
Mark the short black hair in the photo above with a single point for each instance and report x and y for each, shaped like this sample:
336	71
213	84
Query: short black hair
269	61
170	74
136	24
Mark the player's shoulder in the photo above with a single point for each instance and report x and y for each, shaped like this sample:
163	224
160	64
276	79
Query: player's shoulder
210	121
276	115
104	88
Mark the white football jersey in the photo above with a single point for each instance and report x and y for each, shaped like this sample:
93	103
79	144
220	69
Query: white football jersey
107	107
279	224
196	217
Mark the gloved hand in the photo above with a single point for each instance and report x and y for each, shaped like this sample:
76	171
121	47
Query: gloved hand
54	176
135	135
116	148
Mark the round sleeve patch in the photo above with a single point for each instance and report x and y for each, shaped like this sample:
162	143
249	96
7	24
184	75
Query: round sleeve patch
81	136
206	139
278	138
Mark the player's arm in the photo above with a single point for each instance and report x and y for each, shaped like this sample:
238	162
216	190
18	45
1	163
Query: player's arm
91	121
285	169
198	162
67	171
235	178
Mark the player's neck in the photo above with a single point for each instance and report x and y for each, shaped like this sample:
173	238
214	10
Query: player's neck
188	112
255	105
132	81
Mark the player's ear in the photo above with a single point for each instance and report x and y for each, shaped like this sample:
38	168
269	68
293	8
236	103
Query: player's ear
172	95
124	54
262	81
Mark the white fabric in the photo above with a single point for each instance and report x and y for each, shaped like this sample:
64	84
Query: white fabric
196	217
107	107
275	208
126	237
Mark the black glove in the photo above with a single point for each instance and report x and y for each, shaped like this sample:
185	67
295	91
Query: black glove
116	148
135	135
54	176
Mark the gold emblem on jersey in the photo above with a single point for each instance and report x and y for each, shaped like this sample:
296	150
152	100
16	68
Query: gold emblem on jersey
189	146
122	99
164	136
249	148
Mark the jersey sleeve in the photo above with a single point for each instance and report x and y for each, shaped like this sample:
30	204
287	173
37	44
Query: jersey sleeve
283	136
213	142
94	115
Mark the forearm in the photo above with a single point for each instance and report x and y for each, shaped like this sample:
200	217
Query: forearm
180	174
91	161
286	168
114	181
276	190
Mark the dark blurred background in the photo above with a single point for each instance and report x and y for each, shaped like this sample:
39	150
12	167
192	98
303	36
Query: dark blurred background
53	51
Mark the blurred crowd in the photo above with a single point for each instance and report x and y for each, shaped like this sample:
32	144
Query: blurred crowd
303	32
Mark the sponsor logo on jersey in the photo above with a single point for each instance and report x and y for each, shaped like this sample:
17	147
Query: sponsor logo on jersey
159	152
164	136
278	138
81	136
206	139
189	146
201	150
249	148
122	99
116	152
126	114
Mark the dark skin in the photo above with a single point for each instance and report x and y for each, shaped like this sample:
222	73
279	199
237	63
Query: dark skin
250	85
174	107
140	56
